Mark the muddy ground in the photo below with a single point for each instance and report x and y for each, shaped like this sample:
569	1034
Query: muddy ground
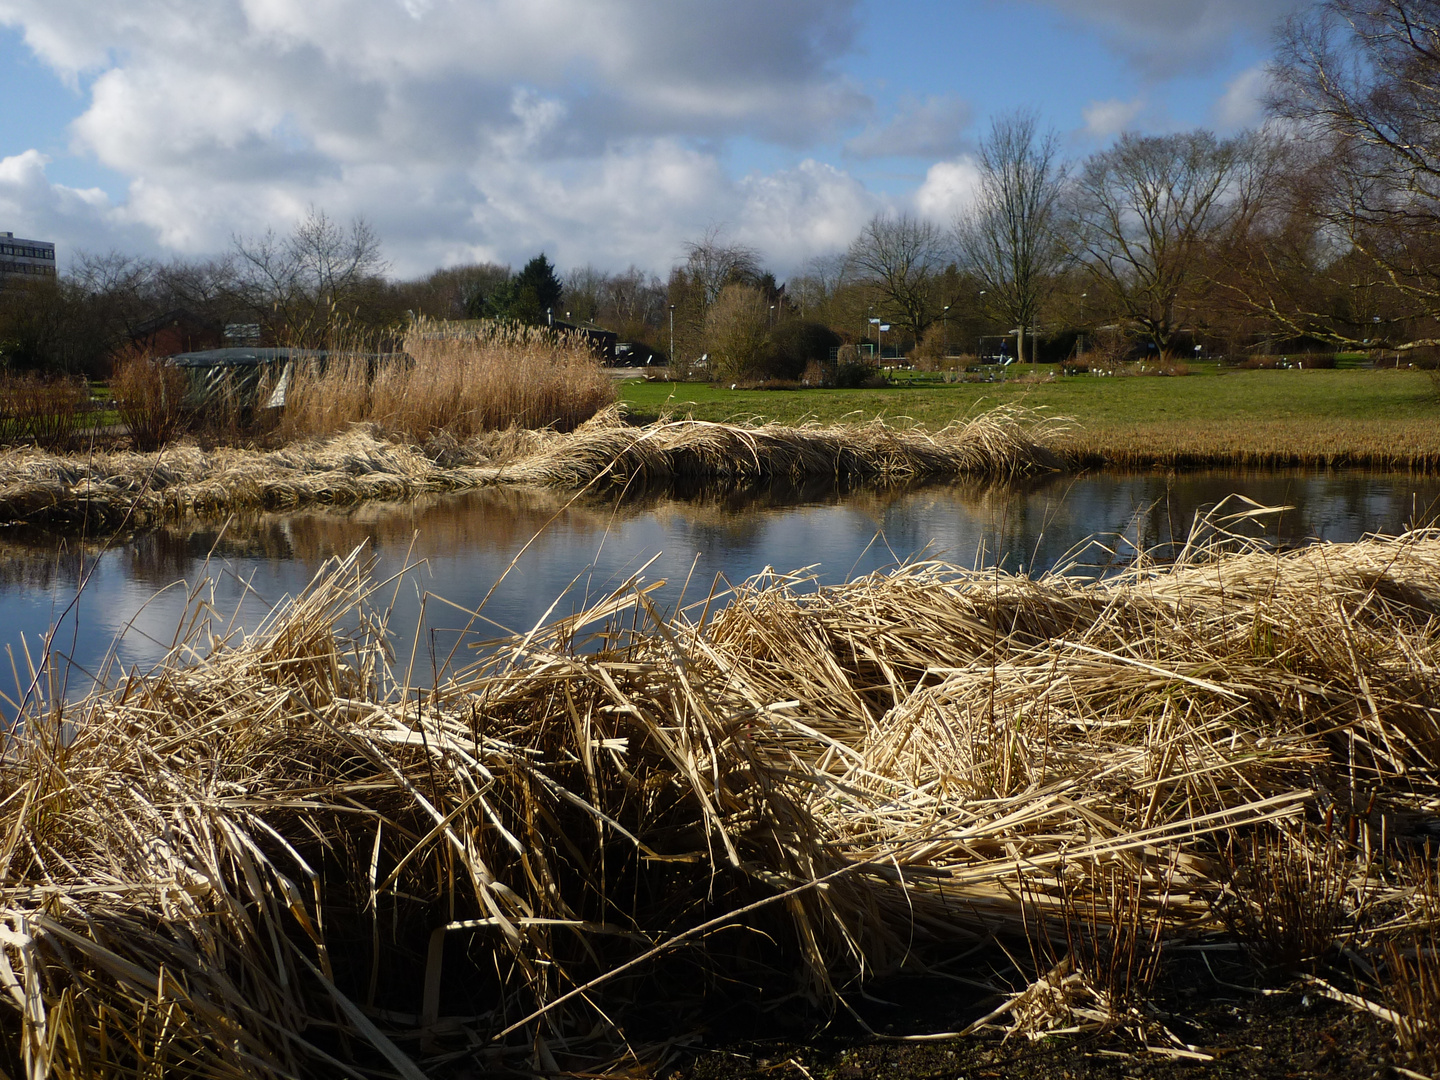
1249	1027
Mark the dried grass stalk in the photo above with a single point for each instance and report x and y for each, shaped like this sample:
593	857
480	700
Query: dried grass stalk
267	854
361	464
484	377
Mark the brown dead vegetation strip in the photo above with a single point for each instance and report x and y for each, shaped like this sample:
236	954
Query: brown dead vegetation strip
144	489
269	853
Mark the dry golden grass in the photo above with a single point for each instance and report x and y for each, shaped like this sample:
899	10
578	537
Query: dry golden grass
461	382
144	489
274	851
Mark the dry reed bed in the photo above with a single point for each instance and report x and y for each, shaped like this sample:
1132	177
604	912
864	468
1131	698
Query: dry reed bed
484	377
108	489
271	854
1004	442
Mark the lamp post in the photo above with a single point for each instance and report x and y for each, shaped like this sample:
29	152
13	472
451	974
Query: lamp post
672	337
980	343
945	331
1081	350
876	323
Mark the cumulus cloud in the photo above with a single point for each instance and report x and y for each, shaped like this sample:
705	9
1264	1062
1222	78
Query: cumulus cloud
72	217
476	129
949	187
1165	35
1106	119
931	128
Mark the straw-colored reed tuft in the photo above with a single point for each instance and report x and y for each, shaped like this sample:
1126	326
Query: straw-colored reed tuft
460	381
134	489
144	489
270	854
1006	441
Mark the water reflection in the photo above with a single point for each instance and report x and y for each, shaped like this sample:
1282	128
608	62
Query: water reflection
542	541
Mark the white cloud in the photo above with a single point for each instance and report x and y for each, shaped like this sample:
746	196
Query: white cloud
33	206
461	128
1106	119
1243	103
948	188
931	128
801	212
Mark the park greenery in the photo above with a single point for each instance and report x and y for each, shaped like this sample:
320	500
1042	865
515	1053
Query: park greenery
1316	231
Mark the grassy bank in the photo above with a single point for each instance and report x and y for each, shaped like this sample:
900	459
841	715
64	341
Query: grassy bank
1381	419
142	489
287	856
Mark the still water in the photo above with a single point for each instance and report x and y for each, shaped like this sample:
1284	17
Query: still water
556	552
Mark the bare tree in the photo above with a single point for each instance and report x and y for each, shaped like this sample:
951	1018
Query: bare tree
633	302
899	258
302	282
1146	214
584	287
714	262
737	331
1361	80
1009	238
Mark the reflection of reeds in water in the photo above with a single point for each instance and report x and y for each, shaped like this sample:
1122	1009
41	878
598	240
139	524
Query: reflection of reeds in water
145	489
278	857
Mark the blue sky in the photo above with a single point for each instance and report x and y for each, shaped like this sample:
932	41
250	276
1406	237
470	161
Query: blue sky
604	131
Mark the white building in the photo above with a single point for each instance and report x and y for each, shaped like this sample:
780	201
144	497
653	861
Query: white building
25	260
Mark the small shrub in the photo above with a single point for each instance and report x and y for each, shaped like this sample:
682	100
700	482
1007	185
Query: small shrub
929	354
45	411
794	346
858	374
149	395
1105	362
815	374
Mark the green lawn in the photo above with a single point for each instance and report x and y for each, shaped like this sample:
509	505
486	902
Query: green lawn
1211	394
1215	416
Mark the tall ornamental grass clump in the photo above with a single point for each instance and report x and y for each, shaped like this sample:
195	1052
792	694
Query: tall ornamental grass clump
149	395
458	381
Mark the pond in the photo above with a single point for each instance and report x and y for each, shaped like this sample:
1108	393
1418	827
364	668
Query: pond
525	554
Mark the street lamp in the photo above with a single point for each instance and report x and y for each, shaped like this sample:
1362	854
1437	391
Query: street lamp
945	331
672	337
876	323
980	343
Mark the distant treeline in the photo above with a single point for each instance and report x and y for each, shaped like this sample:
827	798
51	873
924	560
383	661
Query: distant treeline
1319	230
